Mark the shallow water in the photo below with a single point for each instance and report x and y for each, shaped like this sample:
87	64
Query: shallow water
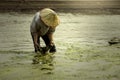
82	48
74	28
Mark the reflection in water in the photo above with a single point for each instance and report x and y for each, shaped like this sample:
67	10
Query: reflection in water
46	61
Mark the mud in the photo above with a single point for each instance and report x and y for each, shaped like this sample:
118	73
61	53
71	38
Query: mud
83	52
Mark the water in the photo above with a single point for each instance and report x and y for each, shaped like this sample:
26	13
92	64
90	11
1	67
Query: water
74	29
82	48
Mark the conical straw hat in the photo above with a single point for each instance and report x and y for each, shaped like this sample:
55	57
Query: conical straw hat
49	17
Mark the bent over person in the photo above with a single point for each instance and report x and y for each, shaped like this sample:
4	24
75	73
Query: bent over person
43	25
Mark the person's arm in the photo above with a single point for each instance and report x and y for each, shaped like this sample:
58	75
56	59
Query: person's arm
50	36
34	33
52	46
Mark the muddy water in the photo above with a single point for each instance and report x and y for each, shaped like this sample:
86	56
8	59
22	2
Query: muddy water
89	29
82	48
74	28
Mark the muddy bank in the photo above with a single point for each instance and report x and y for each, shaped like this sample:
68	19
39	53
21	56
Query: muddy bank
83	52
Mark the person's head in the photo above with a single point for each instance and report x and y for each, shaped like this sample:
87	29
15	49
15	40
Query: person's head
49	17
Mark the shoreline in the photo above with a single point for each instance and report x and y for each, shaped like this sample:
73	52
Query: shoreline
94	11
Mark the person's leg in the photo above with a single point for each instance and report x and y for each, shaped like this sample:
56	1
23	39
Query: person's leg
47	42
46	39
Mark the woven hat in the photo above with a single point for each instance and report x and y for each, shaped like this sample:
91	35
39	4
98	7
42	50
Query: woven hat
49	17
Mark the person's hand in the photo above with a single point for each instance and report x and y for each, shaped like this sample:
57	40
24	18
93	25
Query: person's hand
46	49
51	43
40	50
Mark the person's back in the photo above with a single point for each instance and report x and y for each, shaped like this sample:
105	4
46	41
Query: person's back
43	25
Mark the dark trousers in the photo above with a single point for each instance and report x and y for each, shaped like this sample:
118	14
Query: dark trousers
46	39
47	42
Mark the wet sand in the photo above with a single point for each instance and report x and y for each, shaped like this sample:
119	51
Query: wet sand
83	52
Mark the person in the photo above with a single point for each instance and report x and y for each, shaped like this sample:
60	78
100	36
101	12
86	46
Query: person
43	25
